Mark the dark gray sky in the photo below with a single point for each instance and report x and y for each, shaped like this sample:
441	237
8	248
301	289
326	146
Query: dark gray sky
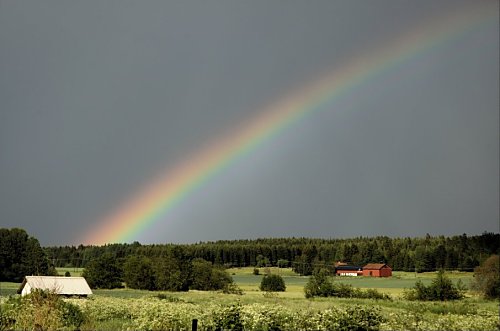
96	97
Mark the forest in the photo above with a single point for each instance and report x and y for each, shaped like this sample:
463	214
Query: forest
21	254
419	254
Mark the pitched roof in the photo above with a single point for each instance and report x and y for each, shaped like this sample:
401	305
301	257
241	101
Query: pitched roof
61	285
375	266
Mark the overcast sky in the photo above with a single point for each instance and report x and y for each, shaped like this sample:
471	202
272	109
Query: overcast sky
97	97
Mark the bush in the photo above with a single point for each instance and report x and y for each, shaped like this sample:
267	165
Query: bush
206	277
272	283
487	278
320	286
72	315
229	318
360	318
441	289
7	320
40	310
256	271
374	294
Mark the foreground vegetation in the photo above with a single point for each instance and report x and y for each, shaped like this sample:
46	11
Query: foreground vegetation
158	287
125	308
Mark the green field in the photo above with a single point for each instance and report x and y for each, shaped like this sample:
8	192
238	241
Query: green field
392	285
75	272
111	307
249	282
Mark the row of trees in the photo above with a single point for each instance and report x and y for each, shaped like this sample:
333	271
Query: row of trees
304	254
166	273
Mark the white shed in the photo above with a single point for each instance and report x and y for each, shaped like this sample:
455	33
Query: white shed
60	285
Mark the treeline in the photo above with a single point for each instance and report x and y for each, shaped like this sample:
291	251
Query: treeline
427	253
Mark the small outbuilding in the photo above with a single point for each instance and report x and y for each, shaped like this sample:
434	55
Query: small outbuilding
69	286
377	270
348	270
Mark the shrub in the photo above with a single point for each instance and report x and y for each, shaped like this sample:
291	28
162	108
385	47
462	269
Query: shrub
206	277
360	318
374	294
232	288
40	310
320	286
229	318
72	315
168	298
272	283
487	278
441	289
7	321
256	271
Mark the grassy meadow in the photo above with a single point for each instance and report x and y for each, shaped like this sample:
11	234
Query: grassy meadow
116	309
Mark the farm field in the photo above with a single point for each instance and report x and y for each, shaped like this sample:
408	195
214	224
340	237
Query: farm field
128	308
74	272
392	285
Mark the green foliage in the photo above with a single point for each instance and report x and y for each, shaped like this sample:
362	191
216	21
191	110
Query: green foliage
150	313
262	261
319	285
138	273
168	274
202	275
229	318
372	293
441	289
360	318
440	316
67	274
256	271
103	272
282	263
487	277
220	279
40	310
206	277
21	255
169	298
71	314
7	320
272	283
402	254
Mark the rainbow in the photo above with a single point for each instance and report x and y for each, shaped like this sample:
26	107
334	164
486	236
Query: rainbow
154	201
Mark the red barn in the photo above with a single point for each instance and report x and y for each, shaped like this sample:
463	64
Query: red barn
377	270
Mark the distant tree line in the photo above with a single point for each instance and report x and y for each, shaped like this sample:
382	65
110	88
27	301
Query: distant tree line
420	254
